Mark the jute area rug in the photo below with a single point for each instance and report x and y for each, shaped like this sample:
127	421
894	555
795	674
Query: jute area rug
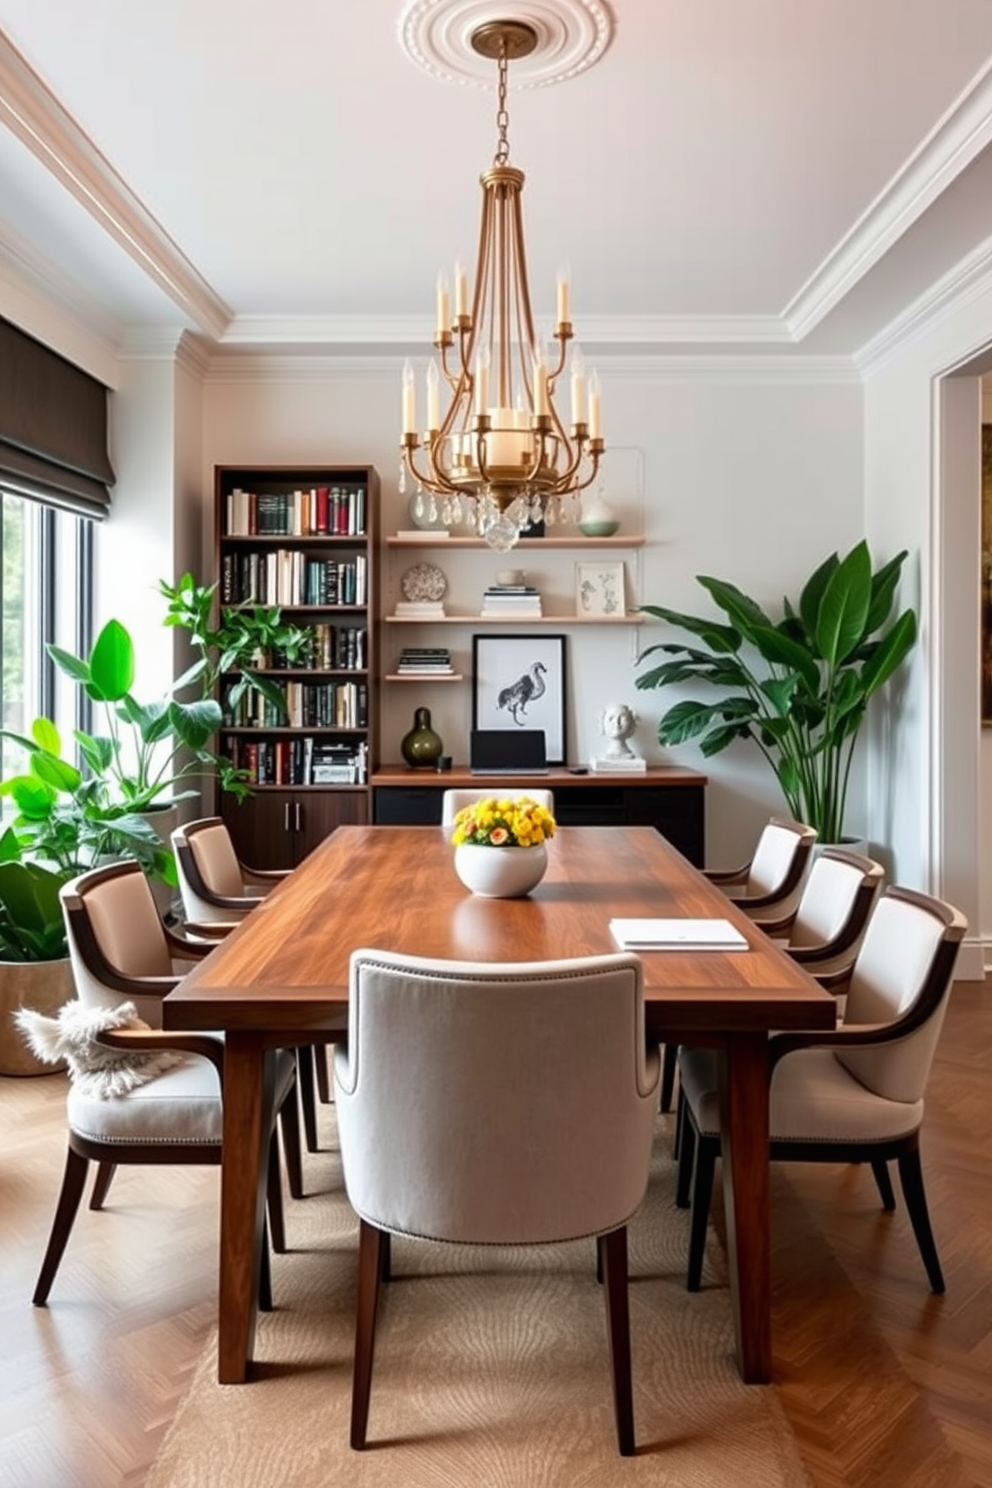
491	1368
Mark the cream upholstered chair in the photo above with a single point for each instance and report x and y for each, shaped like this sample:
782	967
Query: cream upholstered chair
466	1113
218	889
121	952
854	1094
453	800
823	932
769	885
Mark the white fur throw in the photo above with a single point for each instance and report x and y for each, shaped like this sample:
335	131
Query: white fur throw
93	1067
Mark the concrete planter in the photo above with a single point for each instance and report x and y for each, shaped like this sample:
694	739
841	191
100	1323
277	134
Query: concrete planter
43	986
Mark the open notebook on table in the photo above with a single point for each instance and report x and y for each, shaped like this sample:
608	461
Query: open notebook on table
677	935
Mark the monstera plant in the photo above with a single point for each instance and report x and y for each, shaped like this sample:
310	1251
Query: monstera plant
797	685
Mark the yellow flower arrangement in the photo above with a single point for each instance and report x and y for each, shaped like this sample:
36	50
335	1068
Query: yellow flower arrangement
503	823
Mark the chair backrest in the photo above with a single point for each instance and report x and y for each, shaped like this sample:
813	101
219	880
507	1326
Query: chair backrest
475	1101
902	976
113	925
837	897
453	800
780	857
208	869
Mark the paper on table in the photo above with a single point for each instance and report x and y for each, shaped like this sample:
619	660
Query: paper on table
677	935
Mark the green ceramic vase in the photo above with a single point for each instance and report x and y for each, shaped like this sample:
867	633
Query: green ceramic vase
422	747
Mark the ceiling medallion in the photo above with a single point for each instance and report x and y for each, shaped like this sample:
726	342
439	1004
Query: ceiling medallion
570	37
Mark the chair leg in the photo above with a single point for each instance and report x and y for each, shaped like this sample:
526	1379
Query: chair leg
73	1183
686	1157
308	1099
385	1256
289	1122
369	1270
911	1177
613	1249
101	1184
679	1124
669	1064
273	1194
702	1195
323	1079
265	1274
883	1183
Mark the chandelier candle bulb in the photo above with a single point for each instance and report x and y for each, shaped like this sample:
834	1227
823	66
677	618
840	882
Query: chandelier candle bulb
461	291
433	398
482	381
578	388
443	306
564	296
409	400
595	407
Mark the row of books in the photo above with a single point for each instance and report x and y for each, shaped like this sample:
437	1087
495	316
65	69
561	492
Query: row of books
511	599
305	705
288	576
302	761
321	511
425	661
342	648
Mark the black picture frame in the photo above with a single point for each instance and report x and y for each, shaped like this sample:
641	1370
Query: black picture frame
986	580
502	696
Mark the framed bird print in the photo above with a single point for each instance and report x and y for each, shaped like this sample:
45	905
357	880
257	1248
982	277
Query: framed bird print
519	683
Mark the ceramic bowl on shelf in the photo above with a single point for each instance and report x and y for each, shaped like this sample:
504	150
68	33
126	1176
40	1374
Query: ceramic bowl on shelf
598	529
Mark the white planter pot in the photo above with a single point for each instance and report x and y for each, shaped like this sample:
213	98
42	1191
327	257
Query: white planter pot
500	872
43	986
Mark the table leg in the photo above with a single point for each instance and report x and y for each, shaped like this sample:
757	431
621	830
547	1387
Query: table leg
247	1119
746	1194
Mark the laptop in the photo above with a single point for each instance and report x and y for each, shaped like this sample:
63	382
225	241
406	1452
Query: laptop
508	752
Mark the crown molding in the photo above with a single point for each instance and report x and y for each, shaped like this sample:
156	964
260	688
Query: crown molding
168	344
953	143
968	279
307	366
33	113
414	334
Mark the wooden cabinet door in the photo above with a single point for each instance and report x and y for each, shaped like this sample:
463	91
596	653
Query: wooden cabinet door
262	829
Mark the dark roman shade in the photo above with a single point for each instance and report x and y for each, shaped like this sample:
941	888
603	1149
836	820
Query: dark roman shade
53	427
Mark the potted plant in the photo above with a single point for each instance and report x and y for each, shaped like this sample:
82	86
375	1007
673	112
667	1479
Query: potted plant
797	686
34	959
499	845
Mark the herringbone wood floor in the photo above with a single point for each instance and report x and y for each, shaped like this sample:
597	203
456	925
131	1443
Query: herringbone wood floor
884	1384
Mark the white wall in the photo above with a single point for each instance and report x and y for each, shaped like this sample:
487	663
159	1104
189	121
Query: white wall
752	476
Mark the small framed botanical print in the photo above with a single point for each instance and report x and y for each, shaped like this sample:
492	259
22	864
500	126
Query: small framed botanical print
599	590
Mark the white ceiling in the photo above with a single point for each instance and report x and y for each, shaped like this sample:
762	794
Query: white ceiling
783	176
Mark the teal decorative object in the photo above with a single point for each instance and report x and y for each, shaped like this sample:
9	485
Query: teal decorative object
422	747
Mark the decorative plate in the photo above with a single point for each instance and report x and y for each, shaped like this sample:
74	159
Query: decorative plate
424	581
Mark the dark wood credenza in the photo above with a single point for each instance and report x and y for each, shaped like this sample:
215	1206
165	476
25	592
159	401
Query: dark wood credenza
669	798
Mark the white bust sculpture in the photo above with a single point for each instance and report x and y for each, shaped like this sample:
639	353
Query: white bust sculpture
617	722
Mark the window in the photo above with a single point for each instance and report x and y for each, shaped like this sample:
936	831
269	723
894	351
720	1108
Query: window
45	596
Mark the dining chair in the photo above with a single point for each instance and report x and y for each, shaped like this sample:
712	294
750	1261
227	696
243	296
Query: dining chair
122	954
770	882
452	801
217	888
854	1093
466	1114
822	933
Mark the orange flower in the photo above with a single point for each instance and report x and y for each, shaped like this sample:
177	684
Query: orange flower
498	836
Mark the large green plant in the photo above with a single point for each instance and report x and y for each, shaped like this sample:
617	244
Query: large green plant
797	686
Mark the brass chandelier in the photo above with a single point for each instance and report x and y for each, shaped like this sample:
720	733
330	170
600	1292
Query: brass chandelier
500	459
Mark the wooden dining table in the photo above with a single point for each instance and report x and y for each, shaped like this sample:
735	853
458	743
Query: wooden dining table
281	978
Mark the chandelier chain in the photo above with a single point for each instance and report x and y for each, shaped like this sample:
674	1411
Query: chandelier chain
502	112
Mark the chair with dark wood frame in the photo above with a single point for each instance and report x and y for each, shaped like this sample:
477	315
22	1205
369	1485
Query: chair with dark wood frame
853	1094
122	952
217	888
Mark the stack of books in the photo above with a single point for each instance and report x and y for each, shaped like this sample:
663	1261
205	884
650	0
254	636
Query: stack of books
420	609
508	600
425	661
